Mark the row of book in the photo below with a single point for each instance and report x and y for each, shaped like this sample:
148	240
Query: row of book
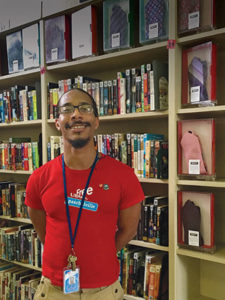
21	243
144	273
16	282
153	223
19	154
146	153
135	90
12	197
20	103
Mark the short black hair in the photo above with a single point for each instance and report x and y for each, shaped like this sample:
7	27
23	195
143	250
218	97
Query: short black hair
95	109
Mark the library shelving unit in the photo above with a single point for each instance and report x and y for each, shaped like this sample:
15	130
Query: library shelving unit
192	275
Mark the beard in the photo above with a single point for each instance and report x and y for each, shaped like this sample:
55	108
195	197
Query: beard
79	143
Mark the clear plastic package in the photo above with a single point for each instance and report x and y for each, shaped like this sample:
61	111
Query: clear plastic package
196	220
199	75
196	148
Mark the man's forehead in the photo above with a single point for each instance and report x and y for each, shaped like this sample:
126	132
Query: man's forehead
75	96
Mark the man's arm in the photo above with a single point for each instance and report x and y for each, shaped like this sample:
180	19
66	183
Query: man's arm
38	218
127	225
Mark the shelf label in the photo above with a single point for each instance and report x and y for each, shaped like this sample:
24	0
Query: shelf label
153	30
195	94
194	166
193	20
15	66
193	238
54	53
115	40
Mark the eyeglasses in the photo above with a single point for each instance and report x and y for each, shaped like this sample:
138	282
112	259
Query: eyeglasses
84	108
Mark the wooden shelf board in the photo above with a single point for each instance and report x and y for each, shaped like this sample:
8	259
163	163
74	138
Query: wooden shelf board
205	183
129	297
219	109
148	245
22	220
217	257
15	172
154	180
21	123
215	34
22	264
109	61
20	77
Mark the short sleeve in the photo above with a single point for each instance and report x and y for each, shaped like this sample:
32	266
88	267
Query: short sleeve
33	198
132	192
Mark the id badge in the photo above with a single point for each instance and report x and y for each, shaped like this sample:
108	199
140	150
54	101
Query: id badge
71	280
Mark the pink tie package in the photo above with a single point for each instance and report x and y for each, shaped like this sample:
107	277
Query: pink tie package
195	218
196	148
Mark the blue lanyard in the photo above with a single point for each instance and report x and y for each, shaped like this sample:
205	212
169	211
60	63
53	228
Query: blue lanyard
72	237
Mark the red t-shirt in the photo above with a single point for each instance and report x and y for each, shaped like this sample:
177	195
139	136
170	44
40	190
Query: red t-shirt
113	186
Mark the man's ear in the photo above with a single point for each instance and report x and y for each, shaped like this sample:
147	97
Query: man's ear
57	125
96	123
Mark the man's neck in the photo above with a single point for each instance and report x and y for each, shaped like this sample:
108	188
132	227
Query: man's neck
79	159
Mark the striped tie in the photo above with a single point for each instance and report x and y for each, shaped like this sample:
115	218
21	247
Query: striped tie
119	24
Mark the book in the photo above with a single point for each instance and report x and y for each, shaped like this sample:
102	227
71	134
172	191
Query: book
160	81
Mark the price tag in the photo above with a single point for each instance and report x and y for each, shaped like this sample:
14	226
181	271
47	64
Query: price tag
54	54
115	40
153	31
195	94
193	20
15	66
193	238
194	166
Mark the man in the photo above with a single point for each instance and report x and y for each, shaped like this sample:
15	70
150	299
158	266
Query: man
84	206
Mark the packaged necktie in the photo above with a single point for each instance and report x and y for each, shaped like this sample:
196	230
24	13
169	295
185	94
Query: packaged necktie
196	220
118	24
14	45
196	148
57	39
199	75
195	15
153	20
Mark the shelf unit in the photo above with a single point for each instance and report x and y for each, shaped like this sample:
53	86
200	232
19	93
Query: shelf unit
192	275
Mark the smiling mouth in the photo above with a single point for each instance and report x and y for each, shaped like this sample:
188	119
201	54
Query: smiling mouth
77	126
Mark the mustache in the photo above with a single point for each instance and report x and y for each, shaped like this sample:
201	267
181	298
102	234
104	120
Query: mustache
70	125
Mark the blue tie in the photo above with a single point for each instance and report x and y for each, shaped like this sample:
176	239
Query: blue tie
119	24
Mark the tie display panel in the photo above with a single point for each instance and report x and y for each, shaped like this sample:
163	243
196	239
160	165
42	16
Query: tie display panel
196	149
199	75
196	220
118	24
196	15
153	20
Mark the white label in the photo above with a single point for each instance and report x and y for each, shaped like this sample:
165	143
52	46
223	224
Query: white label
194	166
55	54
15	66
195	94
193	20
193	238
115	40
153	31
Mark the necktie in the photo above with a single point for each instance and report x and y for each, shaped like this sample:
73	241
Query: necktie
154	13
197	74
185	8
119	24
191	217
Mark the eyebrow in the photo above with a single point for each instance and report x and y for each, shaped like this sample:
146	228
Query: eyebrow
69	104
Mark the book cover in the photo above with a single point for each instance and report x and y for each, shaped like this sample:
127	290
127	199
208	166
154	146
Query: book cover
160	81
